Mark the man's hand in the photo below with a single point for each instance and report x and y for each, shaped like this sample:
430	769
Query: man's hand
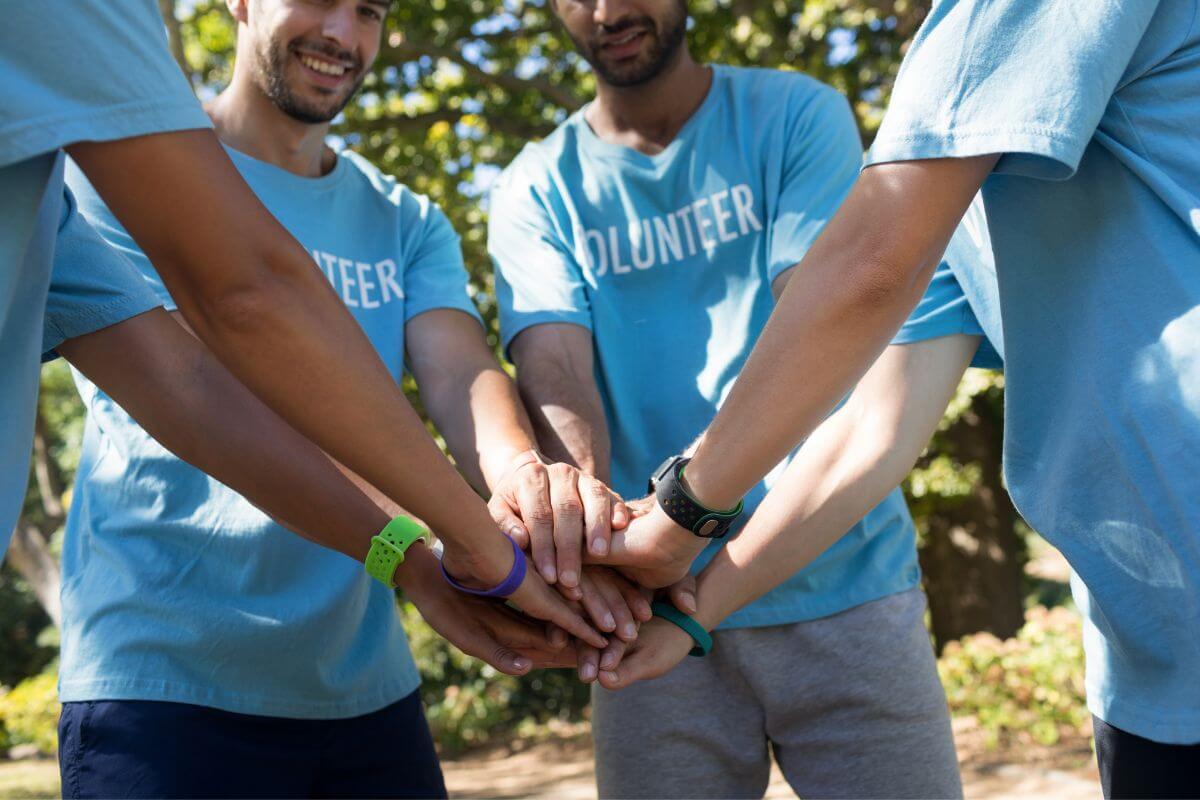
614	604
652	550
483	628
659	647
551	509
481	570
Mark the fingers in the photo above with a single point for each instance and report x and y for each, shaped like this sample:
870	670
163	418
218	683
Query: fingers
507	520
596	604
683	594
556	637
659	647
588	663
597	513
533	495
611	656
626	627
536	599
567	509
637	598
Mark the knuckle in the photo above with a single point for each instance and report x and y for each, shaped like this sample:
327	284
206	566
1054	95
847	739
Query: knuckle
540	515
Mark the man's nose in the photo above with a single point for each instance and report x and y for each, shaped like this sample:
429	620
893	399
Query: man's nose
337	26
608	12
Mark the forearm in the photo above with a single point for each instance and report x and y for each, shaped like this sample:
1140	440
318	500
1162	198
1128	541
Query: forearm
851	462
178	392
839	475
567	416
252	293
847	297
476	408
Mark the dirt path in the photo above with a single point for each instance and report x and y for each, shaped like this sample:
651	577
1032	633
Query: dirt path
562	770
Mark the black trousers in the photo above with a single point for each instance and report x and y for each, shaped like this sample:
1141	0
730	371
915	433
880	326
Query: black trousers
1133	767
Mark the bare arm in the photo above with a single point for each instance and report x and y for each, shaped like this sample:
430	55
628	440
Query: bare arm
556	379
251	293
858	455
174	388
845	469
847	297
468	396
476	407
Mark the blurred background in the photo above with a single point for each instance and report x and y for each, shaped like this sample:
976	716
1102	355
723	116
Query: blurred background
460	86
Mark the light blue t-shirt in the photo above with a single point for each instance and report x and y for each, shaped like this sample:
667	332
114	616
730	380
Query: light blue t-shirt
1094	215
668	261
71	70
176	588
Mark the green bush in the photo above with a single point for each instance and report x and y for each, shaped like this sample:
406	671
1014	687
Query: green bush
29	713
469	703
1026	688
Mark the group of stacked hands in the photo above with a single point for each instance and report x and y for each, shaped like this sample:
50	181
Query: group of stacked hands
603	555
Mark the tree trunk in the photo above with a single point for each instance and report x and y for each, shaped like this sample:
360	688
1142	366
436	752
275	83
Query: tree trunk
29	553
973	557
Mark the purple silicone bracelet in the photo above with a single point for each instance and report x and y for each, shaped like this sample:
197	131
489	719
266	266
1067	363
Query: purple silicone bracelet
506	587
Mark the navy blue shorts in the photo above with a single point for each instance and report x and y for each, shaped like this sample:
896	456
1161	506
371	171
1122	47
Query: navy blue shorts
137	748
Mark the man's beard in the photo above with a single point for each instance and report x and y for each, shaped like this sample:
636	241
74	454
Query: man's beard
664	46
272	72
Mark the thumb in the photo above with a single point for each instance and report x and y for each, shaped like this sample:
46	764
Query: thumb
683	594
621	515
507	660
507	520
637	665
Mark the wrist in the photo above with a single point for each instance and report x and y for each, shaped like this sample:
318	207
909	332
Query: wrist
499	463
706	487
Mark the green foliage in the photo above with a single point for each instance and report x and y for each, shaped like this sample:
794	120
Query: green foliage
1026	688
29	713
469	703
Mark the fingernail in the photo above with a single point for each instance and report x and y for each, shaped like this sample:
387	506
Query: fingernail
607	661
609	623
630	631
516	530
569	577
521	663
689	602
611	676
588	672
550	573
600	547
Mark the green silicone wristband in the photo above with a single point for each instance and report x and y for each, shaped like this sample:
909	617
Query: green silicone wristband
701	637
388	548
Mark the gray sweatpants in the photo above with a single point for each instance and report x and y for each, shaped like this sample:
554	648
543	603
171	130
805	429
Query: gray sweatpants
850	705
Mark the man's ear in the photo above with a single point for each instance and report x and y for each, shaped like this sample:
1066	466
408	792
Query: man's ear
239	9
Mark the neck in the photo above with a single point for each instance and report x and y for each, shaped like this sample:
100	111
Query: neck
247	120
648	116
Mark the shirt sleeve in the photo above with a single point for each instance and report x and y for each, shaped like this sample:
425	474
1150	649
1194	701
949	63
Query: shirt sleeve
822	161
945	311
538	278
1029	79
435	275
88	70
92	286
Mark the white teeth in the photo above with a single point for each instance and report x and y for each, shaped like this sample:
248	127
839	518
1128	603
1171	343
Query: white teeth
625	39
323	67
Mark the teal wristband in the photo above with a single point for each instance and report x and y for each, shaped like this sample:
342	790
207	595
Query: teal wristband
701	637
388	548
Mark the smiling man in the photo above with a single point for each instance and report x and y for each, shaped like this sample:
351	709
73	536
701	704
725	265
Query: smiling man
637	249
215	654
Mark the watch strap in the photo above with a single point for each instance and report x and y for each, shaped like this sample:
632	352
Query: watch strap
389	546
702	638
685	510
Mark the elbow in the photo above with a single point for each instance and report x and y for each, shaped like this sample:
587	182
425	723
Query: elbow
881	281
